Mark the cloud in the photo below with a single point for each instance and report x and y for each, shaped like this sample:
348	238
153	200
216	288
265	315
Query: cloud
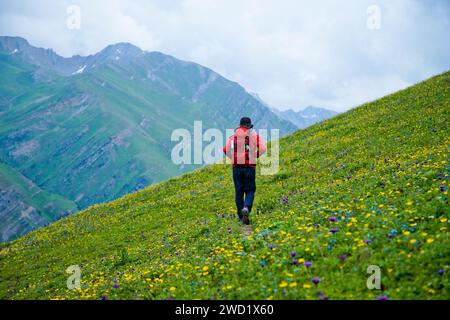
292	53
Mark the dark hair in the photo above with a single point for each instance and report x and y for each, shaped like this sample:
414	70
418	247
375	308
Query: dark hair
246	122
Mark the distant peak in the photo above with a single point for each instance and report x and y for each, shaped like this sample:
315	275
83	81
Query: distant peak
122	48
13	41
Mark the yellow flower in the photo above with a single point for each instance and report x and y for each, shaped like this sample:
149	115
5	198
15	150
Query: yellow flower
293	284
172	289
283	284
430	240
412	241
306	286
205	268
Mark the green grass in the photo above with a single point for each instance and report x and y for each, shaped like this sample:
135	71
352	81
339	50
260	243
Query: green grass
381	170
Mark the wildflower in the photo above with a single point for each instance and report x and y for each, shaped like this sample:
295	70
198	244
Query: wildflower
283	284
294	261
430	240
306	286
440	272
271	246
293	285
307	264
332	218
172	289
293	253
285	200
342	257
315	280
115	285
383	298
324	298
104	298
390	235
412	241
367	241
442	188
333	230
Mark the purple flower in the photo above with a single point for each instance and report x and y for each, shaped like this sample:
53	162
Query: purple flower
324	298
442	188
294	261
342	257
285	200
390	235
332	218
319	293
115	285
349	177
307	264
271	246
293	253
440	272
104	298
333	230
315	280
383	298
367	241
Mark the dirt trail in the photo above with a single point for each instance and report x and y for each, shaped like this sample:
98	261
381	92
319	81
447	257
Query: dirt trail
246	230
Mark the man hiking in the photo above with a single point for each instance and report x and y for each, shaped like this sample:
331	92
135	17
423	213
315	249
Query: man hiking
243	148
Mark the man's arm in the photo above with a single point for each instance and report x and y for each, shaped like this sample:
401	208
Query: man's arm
227	148
261	146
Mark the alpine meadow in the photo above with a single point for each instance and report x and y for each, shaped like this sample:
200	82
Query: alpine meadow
368	187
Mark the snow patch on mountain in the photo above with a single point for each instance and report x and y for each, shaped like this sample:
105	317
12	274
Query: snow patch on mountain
80	70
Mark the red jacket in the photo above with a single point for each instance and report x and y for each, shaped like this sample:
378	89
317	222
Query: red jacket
244	147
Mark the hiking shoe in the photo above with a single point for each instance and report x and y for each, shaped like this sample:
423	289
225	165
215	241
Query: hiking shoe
245	213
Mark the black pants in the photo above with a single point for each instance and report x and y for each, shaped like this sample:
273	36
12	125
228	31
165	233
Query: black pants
244	185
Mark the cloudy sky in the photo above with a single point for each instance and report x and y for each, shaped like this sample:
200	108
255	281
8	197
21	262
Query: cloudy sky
334	54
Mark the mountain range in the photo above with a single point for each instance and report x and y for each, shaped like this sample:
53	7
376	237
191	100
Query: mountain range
88	129
305	117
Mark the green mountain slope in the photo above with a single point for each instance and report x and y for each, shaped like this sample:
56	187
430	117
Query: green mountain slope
95	128
368	187
24	206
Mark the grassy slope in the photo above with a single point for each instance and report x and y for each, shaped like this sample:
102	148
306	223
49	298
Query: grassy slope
379	169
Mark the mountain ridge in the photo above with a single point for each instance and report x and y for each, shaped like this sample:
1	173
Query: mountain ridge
305	117
94	128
